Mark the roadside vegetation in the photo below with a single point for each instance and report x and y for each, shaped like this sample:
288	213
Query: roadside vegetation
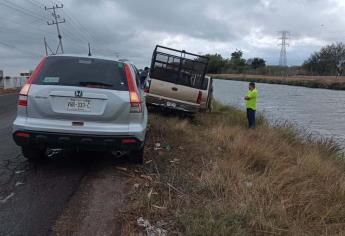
210	175
328	61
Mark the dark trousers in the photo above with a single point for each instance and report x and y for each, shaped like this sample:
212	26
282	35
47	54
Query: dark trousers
251	118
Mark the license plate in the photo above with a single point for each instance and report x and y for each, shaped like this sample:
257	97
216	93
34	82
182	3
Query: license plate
79	104
171	104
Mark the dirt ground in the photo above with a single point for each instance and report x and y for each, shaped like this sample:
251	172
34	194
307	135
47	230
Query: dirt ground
95	208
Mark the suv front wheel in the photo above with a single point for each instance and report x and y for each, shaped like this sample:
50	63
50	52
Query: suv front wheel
33	153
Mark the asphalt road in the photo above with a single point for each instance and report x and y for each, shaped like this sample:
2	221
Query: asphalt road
32	196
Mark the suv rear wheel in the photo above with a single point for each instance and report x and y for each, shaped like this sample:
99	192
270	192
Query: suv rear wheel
137	157
33	154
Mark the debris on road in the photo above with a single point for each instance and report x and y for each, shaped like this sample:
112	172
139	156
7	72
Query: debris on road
152	230
157	146
6	198
149	161
19	183
121	168
159	207
175	160
147	177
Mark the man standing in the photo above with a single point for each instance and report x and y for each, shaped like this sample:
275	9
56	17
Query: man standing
143	76
251	104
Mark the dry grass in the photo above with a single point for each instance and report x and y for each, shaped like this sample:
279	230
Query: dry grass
220	178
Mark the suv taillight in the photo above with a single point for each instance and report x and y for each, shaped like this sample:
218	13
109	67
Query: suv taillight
134	97
198	101
23	94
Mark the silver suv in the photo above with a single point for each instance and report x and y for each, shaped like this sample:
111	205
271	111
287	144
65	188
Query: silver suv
78	102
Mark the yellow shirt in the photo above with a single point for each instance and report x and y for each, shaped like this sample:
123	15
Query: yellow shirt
252	95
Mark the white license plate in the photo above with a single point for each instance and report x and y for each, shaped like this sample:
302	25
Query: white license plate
171	104
79	104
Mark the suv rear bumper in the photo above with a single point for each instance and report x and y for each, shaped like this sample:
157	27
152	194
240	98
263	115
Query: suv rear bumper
171	104
89	142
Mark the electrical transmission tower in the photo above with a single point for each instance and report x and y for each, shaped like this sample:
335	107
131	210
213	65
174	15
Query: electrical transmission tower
56	21
283	44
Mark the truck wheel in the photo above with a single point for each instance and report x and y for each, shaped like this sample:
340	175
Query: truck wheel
137	157
33	154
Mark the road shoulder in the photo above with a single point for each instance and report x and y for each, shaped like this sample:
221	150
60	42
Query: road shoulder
95	208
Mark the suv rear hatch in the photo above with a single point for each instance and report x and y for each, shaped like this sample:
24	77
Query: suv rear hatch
73	90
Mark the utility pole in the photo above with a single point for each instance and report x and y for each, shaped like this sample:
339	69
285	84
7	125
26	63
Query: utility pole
283	44
56	22
46	46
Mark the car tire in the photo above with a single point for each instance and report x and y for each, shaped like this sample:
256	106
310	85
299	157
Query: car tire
137	157
34	154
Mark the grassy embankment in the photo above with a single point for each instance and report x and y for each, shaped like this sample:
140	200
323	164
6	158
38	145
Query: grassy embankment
212	176
325	82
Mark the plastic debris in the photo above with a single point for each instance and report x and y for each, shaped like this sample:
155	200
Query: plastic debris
19	172
19	183
157	146
149	161
168	147
146	177
121	168
6	198
159	207
136	185
151	230
175	160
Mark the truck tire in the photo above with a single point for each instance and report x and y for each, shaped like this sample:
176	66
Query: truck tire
137	157
34	154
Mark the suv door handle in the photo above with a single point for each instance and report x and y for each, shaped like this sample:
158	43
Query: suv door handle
174	89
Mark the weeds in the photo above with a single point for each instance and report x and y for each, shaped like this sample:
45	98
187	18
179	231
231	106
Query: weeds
219	178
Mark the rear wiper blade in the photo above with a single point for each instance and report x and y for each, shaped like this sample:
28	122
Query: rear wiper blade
94	83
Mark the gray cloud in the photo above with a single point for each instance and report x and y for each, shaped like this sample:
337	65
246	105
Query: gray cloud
133	28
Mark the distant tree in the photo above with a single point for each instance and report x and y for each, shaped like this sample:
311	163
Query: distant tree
326	61
257	62
216	63
236	60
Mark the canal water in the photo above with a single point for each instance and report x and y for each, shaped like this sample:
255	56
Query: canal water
319	111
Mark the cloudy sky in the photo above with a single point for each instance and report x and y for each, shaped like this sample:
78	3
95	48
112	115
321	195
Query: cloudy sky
131	28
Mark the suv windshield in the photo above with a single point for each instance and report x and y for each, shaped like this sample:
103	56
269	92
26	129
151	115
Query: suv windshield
84	72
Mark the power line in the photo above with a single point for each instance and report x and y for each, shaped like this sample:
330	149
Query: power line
24	51
20	9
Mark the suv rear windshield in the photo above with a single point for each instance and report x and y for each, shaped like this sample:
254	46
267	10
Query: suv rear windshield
84	72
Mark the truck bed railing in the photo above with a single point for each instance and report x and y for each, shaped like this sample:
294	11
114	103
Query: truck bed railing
178	66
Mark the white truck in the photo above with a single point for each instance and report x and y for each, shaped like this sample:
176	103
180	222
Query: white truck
177	80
